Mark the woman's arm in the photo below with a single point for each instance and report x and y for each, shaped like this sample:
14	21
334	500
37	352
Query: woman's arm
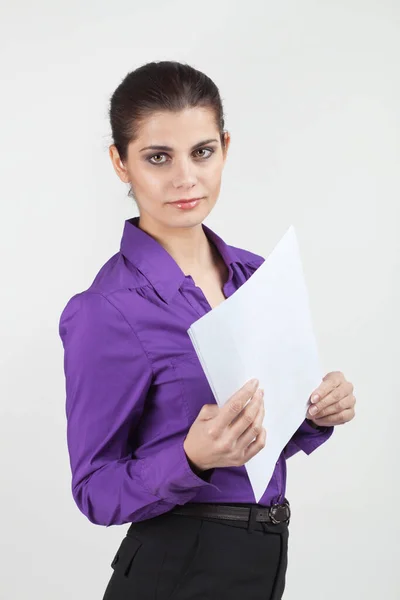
307	438
108	376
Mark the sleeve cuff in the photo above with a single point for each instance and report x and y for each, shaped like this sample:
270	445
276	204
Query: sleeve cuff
312	437
307	438
311	426
168	475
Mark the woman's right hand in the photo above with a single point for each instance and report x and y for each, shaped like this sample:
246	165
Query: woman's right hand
224	437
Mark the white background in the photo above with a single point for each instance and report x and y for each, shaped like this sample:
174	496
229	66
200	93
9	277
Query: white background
312	94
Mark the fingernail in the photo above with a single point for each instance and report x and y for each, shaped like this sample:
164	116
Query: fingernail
254	382
313	410
315	398
261	393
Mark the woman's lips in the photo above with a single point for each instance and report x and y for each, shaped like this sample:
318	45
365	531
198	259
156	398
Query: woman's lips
186	204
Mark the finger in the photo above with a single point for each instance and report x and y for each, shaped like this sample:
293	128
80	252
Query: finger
253	431
336	395
246	417
336	374
337	407
235	405
337	419
208	411
255	447
329	383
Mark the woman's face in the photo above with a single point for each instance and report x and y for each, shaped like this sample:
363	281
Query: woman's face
189	166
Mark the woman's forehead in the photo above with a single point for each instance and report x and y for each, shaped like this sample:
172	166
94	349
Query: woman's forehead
186	127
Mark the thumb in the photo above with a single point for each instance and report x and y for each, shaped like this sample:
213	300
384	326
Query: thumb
208	411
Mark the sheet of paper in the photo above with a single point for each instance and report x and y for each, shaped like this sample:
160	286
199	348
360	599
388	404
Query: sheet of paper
264	330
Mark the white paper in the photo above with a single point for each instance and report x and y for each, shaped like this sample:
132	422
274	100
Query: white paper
264	330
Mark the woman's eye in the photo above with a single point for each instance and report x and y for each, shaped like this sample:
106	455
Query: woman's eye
156	162
154	159
210	150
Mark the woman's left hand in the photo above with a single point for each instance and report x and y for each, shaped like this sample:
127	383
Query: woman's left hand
335	401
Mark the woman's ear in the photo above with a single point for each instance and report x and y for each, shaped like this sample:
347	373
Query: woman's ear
118	165
227	140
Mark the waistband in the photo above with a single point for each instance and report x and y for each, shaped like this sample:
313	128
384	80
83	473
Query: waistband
275	514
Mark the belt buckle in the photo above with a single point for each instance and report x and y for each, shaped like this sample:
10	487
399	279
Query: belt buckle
274	511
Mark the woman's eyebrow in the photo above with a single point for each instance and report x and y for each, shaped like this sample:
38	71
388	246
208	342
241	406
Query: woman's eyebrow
169	149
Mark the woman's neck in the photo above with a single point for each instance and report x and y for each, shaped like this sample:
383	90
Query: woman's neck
188	246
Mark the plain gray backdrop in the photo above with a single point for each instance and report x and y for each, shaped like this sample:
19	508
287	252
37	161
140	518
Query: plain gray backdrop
311	92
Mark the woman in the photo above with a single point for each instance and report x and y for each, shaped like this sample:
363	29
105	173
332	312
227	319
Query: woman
148	445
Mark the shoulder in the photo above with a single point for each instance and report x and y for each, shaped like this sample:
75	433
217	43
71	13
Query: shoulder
117	274
90	315
248	258
101	301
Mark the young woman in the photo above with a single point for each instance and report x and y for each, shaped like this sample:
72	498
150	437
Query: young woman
148	444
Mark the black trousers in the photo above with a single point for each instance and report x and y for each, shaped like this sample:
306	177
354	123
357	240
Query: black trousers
174	557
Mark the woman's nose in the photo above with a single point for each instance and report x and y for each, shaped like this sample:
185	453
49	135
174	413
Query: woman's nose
184	174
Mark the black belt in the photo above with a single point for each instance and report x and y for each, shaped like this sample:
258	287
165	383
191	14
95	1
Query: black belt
277	513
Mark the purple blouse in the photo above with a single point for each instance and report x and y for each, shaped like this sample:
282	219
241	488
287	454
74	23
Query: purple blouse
134	386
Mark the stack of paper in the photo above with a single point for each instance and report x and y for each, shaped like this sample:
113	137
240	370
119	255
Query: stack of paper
264	330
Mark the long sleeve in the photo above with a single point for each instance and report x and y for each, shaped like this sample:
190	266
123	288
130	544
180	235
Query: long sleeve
307	438
108	376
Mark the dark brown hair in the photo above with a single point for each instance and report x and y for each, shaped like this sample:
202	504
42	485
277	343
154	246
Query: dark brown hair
159	86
